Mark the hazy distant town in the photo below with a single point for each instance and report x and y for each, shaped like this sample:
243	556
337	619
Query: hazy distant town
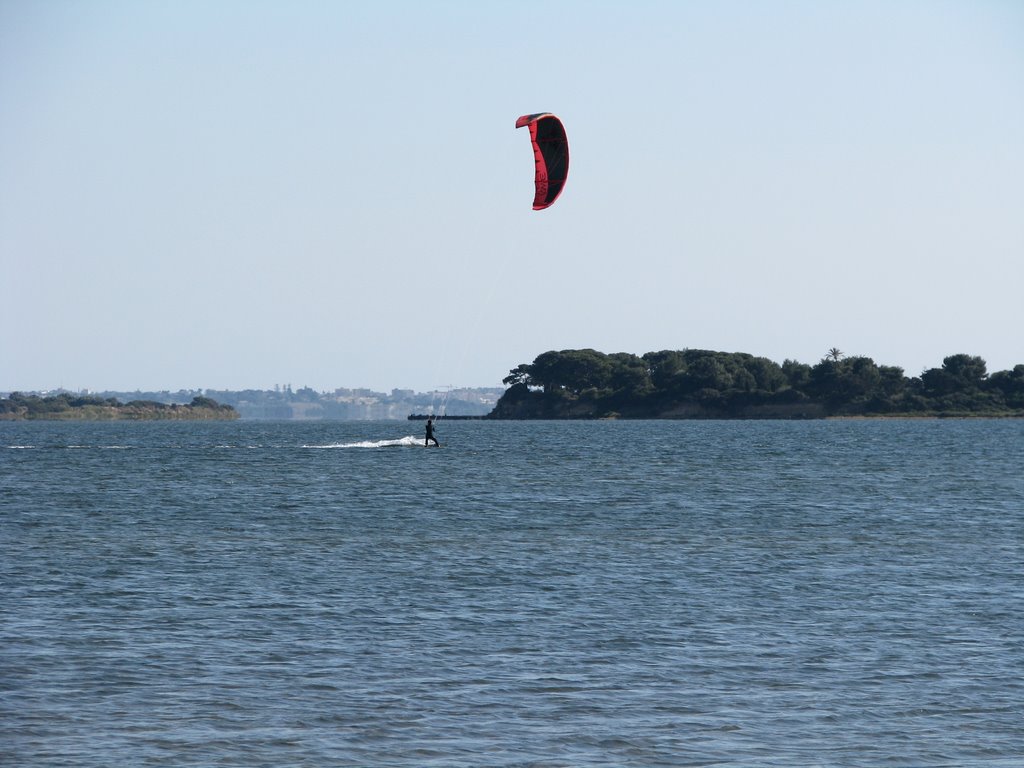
284	403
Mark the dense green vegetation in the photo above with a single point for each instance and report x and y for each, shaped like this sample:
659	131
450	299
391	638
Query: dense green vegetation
69	406
695	383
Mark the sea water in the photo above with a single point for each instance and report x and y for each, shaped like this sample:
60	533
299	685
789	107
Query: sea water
827	593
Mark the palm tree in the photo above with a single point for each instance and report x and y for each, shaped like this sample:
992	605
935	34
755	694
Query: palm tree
834	355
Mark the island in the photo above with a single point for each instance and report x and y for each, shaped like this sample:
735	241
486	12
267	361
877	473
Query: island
66	407
705	384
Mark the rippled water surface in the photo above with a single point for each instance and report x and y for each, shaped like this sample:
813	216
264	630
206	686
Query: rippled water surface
845	593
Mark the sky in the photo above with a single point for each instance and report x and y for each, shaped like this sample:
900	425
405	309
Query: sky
244	193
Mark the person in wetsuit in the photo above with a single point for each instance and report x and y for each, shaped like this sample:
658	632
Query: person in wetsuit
430	433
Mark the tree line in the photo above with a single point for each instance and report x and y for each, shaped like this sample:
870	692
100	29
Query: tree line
18	406
696	383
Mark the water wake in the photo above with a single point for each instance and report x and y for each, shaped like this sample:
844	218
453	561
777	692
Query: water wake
402	442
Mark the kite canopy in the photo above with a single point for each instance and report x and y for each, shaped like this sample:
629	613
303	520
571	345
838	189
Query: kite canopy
551	155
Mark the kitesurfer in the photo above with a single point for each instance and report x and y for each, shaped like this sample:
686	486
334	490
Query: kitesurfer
430	433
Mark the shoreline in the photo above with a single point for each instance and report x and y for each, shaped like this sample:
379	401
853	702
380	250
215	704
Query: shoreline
69	408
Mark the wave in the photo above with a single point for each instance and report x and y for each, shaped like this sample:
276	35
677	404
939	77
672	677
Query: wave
402	442
68	447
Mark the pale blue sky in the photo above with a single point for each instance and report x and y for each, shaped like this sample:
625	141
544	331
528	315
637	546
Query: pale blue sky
237	194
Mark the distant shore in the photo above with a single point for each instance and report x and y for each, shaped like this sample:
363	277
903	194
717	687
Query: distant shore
425	416
66	407
707	384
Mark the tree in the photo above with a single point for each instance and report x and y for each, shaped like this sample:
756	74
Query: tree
663	367
1010	384
518	375
968	370
709	373
571	370
891	381
844	382
861	377
834	355
629	374
938	382
798	375
963	374
768	375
